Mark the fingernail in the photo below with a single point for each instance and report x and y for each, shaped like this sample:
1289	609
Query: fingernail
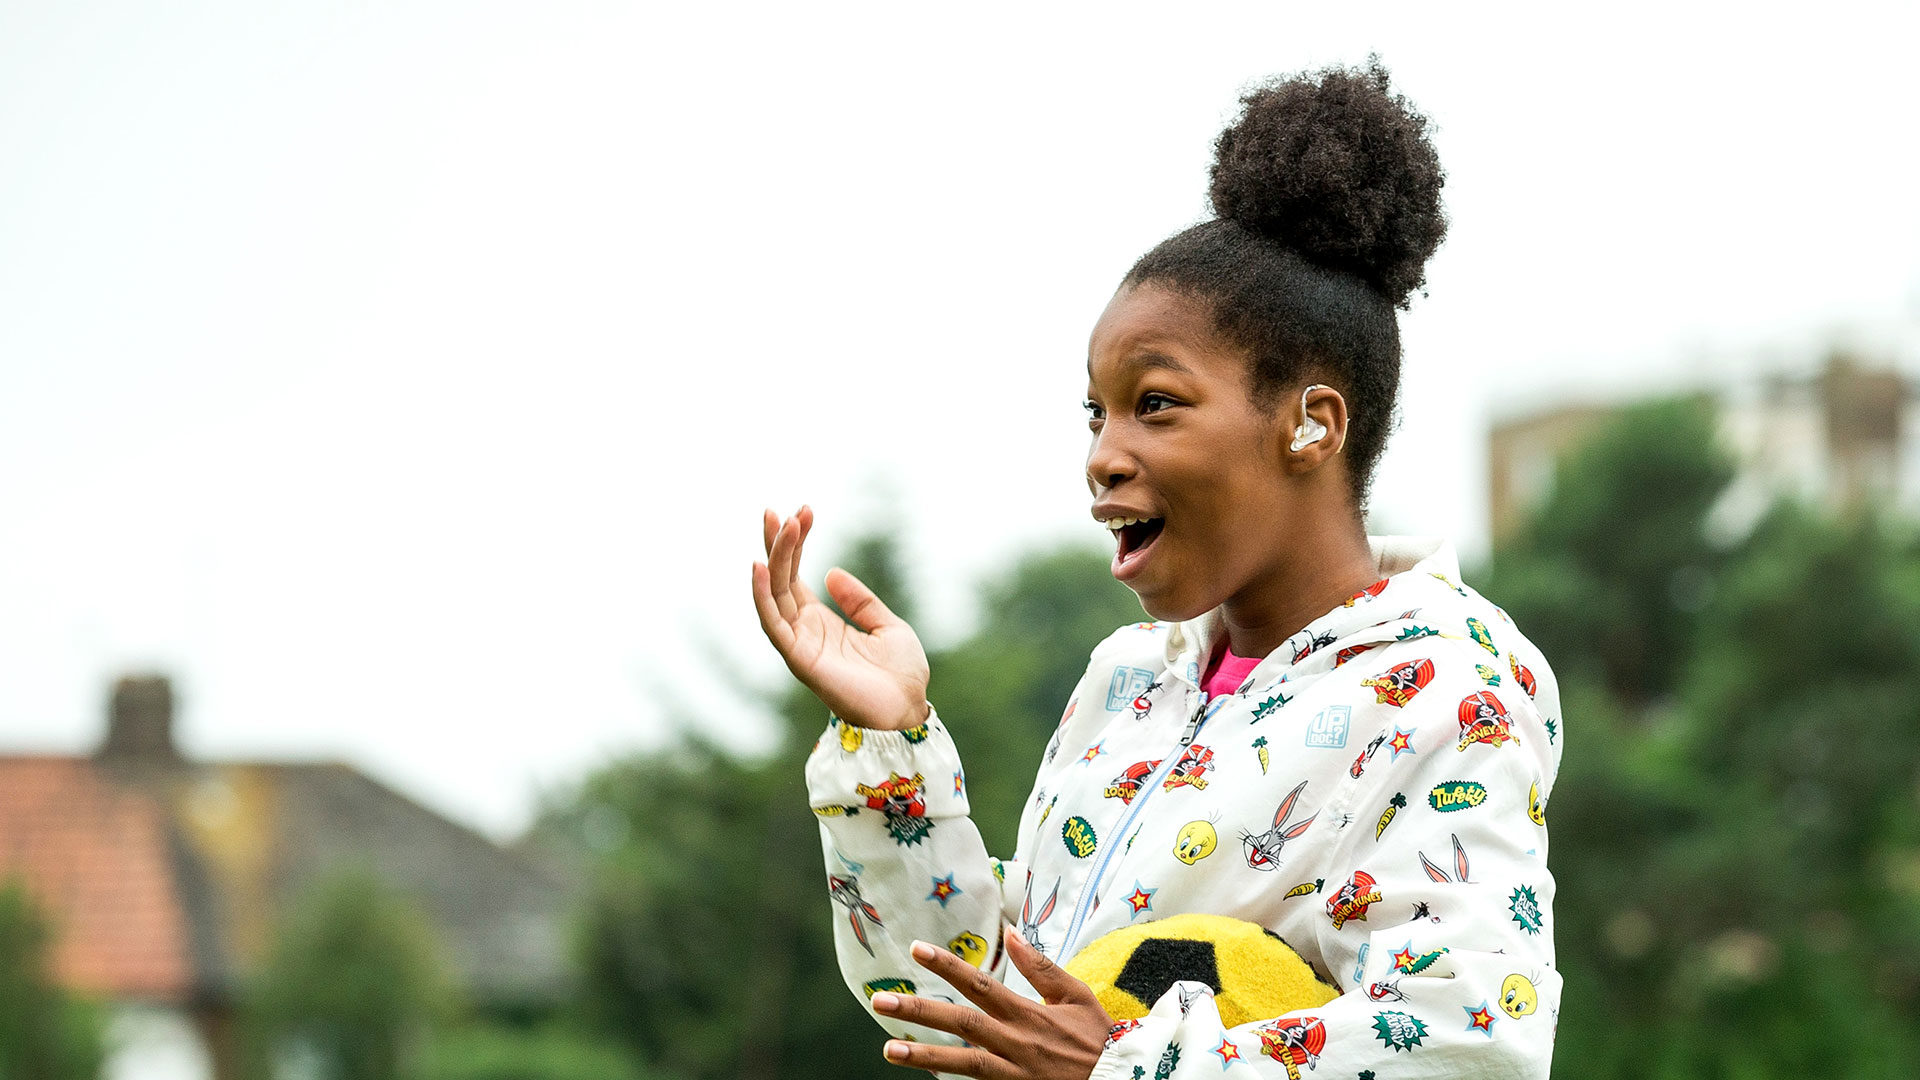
886	1002
922	951
896	1050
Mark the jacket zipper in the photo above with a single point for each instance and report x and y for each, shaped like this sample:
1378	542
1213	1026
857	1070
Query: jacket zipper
1084	907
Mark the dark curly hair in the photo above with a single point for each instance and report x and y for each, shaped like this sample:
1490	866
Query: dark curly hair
1328	196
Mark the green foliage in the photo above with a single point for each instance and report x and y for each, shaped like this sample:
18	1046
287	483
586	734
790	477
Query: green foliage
689	924
484	1052
1736	833
351	986
1606	576
45	1034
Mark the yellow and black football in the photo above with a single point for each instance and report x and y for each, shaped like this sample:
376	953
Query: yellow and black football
1253	973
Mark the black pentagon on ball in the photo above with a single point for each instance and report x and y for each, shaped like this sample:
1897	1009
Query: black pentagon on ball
1158	963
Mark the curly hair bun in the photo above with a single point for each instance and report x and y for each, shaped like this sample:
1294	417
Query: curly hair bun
1334	167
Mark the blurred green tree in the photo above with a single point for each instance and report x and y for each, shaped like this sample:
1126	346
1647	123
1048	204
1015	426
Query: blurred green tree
45	1033
1736	836
554	1052
351	988
1612	568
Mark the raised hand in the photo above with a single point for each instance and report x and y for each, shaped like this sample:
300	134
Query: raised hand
872	673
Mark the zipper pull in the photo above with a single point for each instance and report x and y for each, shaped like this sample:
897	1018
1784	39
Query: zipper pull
1193	724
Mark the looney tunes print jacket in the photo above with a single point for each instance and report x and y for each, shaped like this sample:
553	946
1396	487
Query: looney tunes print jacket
1374	794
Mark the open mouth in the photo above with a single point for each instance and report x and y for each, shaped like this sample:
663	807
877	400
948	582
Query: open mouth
1134	539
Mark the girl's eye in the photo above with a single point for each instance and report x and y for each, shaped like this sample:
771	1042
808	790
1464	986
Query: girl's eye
1155	402
1094	412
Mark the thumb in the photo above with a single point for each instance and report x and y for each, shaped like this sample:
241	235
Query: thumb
858	602
1056	986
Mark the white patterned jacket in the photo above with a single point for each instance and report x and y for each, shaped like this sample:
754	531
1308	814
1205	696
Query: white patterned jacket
1374	794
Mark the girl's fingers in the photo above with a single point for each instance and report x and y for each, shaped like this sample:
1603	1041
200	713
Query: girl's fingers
858	601
956	1060
771	526
1007	1024
780	565
802	525
1055	985
982	989
970	1024
803	594
790	594
776	627
793	534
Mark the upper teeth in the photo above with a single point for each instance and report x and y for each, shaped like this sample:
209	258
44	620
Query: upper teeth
1116	524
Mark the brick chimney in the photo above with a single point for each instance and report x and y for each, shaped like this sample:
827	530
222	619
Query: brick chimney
140	721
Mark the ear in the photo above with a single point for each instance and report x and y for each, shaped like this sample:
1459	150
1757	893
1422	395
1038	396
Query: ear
1047	911
1286	804
1309	405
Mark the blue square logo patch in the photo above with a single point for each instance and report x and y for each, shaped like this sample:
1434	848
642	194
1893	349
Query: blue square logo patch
1128	683
1328	728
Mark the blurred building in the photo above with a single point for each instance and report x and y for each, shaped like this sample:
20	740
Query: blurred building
163	877
1841	437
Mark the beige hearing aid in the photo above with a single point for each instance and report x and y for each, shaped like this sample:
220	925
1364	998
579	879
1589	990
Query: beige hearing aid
1311	431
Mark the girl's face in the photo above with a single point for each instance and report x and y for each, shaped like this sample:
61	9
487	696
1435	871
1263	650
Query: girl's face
1179	444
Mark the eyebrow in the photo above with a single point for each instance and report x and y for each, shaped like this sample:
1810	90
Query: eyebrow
1152	360
1158	360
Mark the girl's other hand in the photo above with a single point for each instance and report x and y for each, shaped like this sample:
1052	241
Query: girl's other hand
872	674
1009	1037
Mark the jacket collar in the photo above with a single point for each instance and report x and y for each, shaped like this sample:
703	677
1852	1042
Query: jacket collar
1410	565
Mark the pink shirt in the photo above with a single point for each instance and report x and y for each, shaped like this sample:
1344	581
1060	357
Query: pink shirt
1227	672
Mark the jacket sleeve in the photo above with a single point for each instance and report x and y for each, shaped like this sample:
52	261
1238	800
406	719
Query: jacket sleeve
903	861
1436	919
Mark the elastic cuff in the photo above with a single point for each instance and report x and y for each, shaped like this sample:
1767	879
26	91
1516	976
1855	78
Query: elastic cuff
915	771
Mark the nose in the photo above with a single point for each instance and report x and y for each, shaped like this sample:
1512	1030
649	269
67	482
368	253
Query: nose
1109	460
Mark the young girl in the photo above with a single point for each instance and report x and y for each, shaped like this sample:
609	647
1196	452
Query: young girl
1323	733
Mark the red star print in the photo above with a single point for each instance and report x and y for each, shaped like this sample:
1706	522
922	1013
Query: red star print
1094	751
1227	1051
1480	1019
1402	740
1404	958
1141	899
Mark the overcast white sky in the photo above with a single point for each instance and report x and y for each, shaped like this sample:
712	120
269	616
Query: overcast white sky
406	378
